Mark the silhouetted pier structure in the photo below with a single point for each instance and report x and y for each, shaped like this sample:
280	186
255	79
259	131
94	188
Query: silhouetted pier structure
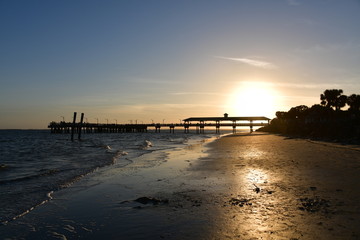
226	121
197	123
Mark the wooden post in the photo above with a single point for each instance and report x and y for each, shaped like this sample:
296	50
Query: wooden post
80	125
217	126
73	127
186	127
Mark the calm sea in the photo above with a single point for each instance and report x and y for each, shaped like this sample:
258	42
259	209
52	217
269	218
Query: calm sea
35	163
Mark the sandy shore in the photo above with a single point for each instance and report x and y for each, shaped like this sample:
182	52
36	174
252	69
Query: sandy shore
282	188
257	186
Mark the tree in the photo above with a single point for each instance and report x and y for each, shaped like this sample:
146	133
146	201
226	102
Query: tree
319	111
298	111
333	98
281	115
354	102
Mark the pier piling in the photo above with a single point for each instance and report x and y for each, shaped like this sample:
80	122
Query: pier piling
73	127
80	125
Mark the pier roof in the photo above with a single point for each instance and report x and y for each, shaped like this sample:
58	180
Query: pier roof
193	119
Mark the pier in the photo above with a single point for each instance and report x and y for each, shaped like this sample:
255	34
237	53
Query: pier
201	122
197	123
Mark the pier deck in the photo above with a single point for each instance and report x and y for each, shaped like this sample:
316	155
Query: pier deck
197	123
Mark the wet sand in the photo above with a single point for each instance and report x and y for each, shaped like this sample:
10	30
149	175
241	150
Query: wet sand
283	188
244	186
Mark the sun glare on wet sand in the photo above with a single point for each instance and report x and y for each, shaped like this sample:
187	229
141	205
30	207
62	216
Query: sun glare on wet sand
253	99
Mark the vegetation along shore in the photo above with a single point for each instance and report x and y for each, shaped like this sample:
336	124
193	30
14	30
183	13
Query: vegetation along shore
327	120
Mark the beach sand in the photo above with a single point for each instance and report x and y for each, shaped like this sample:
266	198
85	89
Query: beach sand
283	188
242	186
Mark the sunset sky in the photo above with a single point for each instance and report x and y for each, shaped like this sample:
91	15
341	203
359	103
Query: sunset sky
166	60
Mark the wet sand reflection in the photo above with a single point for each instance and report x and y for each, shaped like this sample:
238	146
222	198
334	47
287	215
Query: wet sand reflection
288	189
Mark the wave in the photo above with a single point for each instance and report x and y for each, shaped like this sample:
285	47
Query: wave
58	163
41	174
147	144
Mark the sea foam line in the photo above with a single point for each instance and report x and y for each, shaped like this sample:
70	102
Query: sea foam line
48	195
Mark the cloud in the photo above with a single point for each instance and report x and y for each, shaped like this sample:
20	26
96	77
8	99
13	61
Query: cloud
308	86
252	62
300	85
197	93
325	48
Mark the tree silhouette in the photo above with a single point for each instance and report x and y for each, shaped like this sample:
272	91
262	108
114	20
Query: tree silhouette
354	102
333	98
321	120
281	114
298	111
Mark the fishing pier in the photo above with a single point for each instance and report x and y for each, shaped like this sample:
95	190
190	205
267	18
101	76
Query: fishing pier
197	123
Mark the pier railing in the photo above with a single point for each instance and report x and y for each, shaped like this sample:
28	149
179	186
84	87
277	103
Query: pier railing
65	127
198	124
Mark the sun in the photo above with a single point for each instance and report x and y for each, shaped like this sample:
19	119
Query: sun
253	99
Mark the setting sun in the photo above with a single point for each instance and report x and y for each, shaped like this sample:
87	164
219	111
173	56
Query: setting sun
253	99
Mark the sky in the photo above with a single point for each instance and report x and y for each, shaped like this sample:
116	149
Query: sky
164	60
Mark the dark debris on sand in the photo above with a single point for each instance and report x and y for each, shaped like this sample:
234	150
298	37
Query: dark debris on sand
150	200
145	201
240	202
315	204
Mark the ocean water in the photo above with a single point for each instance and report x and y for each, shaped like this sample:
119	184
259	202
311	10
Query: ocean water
35	163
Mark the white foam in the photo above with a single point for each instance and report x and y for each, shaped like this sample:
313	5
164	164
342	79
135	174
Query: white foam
59	236
147	144
49	195
70	228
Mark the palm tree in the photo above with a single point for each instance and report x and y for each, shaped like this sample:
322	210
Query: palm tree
333	98
354	102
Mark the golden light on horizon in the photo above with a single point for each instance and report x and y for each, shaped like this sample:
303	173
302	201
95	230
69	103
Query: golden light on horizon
253	99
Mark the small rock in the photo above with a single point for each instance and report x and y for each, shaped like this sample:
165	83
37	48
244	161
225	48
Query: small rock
149	200
256	189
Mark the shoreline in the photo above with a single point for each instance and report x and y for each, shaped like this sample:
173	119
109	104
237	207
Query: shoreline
347	143
246	186
109	188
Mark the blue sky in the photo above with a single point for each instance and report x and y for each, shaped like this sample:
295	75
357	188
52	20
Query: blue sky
156	60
